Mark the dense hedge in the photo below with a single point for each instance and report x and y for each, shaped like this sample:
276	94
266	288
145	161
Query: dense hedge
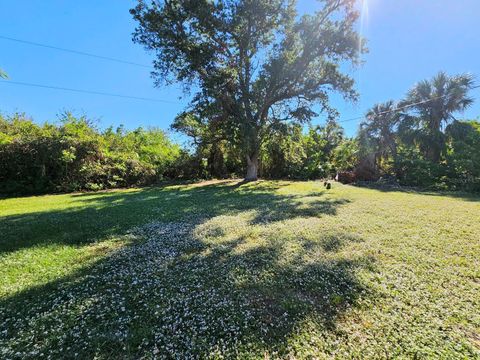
75	155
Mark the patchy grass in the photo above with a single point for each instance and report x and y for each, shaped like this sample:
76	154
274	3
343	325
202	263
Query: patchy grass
264	270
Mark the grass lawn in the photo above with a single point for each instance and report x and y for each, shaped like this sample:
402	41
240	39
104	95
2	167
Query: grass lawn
261	270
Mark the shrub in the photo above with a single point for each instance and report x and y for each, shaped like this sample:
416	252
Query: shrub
74	155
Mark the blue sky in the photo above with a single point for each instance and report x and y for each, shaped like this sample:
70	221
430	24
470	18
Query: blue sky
409	40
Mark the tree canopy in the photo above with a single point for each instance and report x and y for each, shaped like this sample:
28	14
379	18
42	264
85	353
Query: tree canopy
379	127
435	101
255	63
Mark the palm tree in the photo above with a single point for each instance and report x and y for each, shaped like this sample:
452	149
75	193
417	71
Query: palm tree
380	127
434	102
3	75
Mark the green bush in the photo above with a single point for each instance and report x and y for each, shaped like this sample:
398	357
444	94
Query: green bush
413	169
74	155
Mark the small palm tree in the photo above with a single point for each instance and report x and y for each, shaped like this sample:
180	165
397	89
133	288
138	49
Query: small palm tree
380	126
434	103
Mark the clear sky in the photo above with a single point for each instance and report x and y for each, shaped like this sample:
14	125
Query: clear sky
409	40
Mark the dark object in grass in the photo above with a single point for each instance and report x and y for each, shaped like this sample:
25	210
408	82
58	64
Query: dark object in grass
346	177
329	186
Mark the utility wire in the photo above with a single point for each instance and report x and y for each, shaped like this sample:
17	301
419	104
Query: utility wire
87	91
149	67
168	101
176	102
107	58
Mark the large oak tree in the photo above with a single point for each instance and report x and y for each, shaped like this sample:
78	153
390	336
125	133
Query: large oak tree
253	64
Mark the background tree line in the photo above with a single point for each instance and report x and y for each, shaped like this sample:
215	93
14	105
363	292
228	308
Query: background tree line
73	154
258	68
419	142
413	142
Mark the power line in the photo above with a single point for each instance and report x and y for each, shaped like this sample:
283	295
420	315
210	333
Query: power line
176	102
87	91
402	107
77	52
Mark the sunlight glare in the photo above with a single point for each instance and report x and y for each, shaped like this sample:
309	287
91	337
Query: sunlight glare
364	16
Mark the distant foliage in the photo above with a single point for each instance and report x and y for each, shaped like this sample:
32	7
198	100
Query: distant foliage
420	145
289	151
419	141
318	153
463	155
74	155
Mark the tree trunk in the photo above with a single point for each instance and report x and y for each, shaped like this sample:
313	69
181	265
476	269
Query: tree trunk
432	153
252	167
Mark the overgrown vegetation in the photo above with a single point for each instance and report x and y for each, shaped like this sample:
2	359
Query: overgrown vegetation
259	270
420	142
290	152
74	155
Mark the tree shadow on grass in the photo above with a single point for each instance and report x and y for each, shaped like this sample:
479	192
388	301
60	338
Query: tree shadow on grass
99	216
474	197
183	294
